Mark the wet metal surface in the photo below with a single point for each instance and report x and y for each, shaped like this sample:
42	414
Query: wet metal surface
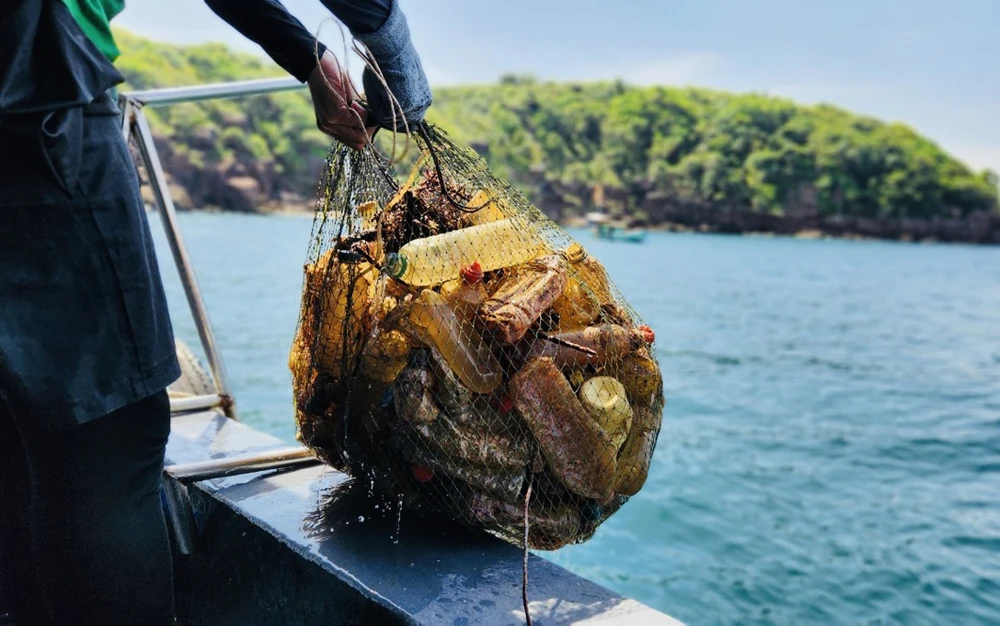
419	569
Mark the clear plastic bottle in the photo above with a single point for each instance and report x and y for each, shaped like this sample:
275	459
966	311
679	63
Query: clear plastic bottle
589	272
439	258
461	345
463	296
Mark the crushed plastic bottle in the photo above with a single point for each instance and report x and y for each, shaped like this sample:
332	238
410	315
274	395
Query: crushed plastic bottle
594	345
434	260
385	356
345	292
577	450
638	448
576	306
640	376
460	344
523	296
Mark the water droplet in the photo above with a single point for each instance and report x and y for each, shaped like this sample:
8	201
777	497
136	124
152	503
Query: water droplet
399	520
361	518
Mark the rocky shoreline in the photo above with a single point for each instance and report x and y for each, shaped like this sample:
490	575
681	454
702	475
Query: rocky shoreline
800	217
247	187
920	234
976	228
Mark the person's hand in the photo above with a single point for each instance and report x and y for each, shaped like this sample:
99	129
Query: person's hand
338	110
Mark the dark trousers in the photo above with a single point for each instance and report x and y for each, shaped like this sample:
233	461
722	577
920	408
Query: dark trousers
82	533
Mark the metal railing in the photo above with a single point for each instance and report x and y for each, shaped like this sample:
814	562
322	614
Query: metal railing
136	126
215	91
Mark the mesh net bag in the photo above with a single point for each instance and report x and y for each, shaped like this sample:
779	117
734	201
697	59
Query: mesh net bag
465	354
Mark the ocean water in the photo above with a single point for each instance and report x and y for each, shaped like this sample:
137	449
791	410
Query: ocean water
831	442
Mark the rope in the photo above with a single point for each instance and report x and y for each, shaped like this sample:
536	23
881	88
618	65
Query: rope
345	79
524	563
465	208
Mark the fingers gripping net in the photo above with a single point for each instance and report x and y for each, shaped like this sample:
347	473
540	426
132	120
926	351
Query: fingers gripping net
455	346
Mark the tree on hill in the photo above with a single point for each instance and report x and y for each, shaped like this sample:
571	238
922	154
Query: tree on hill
701	147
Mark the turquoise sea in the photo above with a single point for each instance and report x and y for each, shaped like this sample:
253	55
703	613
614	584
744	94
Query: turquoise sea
831	443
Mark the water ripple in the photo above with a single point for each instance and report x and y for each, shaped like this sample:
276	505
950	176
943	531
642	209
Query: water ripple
831	439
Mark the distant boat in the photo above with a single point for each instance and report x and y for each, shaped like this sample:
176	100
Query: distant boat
618	233
595	218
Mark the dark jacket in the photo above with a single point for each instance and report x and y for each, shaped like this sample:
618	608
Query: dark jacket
84	326
46	61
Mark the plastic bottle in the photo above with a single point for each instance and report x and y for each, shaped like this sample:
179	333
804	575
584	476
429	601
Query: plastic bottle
385	356
436	259
637	451
594	345
605	399
463	296
523	296
577	307
490	209
589	272
368	212
337	301
577	450
640	376
457	340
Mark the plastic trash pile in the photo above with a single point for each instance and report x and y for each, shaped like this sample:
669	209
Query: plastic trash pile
463	353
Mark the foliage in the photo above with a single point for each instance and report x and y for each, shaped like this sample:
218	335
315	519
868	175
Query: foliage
705	147
277	130
695	146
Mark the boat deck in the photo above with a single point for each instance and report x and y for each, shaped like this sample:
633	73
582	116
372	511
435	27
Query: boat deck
305	545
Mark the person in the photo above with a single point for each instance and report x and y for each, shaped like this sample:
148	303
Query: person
86	346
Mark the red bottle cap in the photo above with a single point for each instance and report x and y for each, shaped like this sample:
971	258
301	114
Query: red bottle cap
647	333
423	474
472	273
506	404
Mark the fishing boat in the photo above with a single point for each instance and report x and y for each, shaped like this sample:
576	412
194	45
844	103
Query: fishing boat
611	232
596	218
263	532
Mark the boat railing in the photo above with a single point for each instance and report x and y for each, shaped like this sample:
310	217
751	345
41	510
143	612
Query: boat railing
135	126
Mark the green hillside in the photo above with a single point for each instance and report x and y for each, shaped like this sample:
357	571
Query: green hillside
684	146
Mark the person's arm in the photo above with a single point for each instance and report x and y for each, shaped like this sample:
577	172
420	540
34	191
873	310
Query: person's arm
284	39
360	16
379	24
268	24
398	60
